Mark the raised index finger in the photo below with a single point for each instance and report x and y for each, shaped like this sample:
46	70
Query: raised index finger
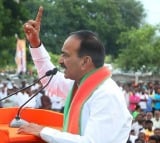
39	14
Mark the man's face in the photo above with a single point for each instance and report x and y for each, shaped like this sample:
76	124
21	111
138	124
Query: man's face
149	115
157	114
69	59
158	90
157	132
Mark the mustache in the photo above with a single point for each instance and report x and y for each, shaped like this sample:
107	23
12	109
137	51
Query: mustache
62	65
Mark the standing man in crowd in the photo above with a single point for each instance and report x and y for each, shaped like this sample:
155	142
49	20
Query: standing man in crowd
95	109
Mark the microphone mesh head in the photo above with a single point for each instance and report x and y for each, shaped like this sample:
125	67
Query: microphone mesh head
51	72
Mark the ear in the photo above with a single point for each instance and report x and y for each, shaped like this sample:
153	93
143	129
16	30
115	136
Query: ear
86	61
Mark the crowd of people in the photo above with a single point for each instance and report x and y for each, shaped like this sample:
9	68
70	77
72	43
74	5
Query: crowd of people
143	101
42	99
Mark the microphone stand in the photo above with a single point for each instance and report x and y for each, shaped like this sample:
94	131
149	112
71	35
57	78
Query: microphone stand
17	121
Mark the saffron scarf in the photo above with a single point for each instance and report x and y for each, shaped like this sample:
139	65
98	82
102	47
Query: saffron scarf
72	111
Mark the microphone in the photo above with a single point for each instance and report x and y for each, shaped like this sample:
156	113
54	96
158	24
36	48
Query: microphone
48	73
51	72
17	121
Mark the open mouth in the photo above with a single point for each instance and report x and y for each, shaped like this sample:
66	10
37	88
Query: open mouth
63	68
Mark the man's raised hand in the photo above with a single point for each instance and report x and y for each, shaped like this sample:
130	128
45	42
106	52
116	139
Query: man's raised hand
32	29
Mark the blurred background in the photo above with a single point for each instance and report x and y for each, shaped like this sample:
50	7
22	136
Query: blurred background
129	30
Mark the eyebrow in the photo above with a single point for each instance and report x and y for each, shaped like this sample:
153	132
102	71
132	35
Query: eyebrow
65	53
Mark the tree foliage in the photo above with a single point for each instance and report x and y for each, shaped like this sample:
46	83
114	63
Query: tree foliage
12	16
108	18
142	49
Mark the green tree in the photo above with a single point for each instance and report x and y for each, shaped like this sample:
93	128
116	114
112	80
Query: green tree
108	18
142	49
12	16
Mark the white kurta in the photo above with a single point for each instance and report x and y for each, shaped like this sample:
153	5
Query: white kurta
105	117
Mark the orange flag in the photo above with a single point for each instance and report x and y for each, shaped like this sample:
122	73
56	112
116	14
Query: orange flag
20	57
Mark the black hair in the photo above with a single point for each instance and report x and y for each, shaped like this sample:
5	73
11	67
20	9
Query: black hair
91	46
139	141
155	138
137	107
148	122
157	129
